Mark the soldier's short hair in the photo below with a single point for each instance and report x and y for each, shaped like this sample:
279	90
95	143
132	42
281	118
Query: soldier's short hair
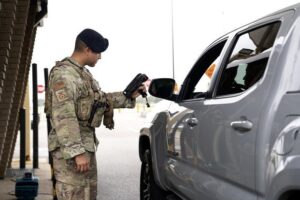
79	45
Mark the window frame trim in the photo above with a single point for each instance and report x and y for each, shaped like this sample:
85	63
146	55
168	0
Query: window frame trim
187	79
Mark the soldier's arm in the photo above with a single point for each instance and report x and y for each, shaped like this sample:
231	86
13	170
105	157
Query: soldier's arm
119	100
64	117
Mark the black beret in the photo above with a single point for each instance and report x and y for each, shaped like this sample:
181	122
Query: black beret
94	40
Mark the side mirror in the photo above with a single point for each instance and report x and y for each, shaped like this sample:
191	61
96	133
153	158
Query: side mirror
162	88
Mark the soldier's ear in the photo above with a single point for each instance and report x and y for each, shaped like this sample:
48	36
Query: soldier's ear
89	50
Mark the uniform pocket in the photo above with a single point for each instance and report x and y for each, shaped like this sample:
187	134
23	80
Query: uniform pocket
85	100
82	89
71	165
52	140
56	154
96	122
84	109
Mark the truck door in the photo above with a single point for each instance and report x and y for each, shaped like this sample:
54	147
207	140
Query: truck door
225	124
181	133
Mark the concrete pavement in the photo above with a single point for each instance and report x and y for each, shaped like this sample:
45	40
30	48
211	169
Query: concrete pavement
123	138
7	186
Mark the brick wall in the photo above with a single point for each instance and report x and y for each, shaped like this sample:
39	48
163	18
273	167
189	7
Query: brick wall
18	63
17	36
24	78
7	19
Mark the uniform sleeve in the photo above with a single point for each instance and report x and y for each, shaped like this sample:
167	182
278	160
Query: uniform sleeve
64	117
120	101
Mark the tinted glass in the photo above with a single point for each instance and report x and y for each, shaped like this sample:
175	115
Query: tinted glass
248	60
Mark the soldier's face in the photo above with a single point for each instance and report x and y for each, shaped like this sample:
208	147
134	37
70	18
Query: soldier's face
92	58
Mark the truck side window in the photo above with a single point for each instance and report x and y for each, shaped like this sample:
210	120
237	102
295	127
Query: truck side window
248	60
198	80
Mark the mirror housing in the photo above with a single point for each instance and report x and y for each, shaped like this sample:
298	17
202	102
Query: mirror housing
162	88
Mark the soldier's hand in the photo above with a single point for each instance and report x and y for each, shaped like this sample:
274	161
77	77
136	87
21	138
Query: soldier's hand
82	163
137	93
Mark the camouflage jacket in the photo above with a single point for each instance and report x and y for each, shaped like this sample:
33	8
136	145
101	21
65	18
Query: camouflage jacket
69	98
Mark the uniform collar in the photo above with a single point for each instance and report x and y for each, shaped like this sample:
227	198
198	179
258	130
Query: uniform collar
73	62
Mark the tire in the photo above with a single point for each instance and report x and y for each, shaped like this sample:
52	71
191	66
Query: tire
149	190
295	196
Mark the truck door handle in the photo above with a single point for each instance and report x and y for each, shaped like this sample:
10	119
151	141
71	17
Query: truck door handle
192	122
242	126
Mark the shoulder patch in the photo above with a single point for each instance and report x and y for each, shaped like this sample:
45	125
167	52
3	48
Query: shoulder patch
58	85
61	94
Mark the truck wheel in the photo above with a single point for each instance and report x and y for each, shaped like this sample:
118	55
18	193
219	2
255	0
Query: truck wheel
149	190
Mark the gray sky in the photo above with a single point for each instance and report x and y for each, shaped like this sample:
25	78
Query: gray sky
140	33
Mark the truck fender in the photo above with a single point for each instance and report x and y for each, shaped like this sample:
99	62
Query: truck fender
283	173
158	147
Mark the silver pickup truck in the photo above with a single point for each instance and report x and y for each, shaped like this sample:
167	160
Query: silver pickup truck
234	134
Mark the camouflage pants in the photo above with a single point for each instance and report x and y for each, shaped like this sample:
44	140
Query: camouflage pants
72	185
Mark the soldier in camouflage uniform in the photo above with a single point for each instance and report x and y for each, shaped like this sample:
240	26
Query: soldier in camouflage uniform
70	98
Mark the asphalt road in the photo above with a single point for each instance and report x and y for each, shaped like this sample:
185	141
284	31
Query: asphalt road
118	161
